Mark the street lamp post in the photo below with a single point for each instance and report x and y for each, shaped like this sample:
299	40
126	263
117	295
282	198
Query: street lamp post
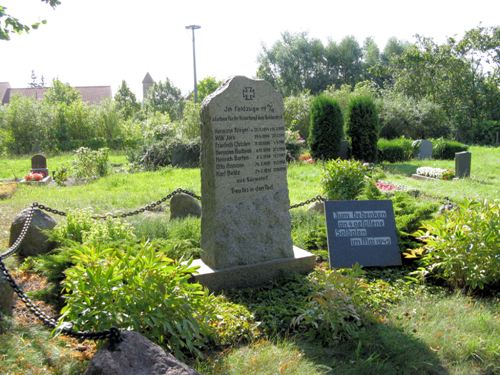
193	28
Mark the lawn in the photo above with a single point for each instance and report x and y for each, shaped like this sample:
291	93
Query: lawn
418	329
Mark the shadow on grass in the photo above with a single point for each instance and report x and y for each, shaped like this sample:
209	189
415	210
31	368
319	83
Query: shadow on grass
400	168
378	348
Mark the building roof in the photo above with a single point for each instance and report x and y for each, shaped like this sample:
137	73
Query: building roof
90	94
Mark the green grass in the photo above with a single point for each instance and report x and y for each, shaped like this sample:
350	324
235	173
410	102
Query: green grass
19	166
484	181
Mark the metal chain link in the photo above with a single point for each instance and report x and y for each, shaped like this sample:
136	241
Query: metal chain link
15	246
317	198
148	207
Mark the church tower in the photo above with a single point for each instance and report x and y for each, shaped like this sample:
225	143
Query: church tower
147	83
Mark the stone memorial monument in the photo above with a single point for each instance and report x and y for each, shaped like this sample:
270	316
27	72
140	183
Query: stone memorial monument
245	223
39	164
462	164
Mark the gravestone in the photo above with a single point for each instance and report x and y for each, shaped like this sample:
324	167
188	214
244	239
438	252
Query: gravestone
424	149
361	232
245	223
39	165
462	164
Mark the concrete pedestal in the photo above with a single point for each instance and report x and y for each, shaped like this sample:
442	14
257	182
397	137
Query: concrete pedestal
253	275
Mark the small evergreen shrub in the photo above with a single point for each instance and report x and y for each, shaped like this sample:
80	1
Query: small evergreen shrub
446	149
362	125
327	128
461	246
394	150
343	179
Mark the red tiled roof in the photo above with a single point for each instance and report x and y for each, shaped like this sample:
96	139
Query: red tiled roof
90	94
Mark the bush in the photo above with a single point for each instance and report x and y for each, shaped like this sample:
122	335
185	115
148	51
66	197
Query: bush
394	150
184	154
362	127
90	164
331	314
486	133
133	286
293	144
343	179
297	113
402	116
462	246
446	149
327	128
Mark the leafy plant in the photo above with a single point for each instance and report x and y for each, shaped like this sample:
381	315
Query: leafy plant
461	246
331	313
343	179
293	144
90	163
362	125
61	175
133	286
327	128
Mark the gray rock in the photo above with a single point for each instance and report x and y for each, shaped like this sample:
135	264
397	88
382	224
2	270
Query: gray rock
183	205
6	297
136	355
318	207
36	241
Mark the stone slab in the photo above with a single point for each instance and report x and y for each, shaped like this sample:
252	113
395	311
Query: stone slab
253	275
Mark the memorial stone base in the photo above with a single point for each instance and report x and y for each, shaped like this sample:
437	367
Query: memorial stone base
252	275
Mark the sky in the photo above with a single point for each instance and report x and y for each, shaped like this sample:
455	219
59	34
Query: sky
102	42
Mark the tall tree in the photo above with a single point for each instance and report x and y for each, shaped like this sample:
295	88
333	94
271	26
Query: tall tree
164	97
10	24
207	86
293	64
61	93
126	102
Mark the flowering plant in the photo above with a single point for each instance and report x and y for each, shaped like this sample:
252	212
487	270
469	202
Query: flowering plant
438	173
385	186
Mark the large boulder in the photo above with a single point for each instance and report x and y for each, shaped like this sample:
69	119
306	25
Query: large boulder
136	355
183	205
6	297
36	241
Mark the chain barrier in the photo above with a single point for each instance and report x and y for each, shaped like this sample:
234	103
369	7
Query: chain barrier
113	334
317	198
11	250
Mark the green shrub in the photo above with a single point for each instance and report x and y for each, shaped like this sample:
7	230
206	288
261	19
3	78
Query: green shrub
446	149
90	164
293	144
309	230
394	150
462	246
362	125
133	286
185	154
327	128
485	133
331	313
297	113
343	179
80	227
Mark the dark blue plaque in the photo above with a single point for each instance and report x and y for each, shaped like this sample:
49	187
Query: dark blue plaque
361	232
